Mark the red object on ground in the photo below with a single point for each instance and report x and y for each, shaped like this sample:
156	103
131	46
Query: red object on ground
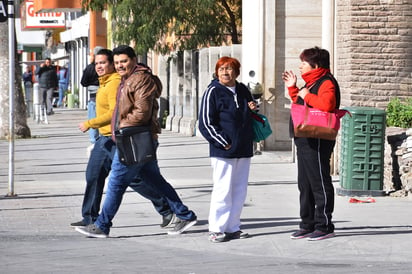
368	200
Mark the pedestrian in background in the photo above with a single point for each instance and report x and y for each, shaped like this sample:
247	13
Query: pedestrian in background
90	80
63	77
100	160
48	83
317	196
28	90
136	106
225	121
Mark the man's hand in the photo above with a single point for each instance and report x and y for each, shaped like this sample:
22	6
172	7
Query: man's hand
82	127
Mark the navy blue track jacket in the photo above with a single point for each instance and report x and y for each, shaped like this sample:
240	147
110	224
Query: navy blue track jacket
225	119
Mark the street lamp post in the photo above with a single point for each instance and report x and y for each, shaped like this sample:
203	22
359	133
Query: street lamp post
11	95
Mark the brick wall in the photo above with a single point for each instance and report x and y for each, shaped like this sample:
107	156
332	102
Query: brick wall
374	51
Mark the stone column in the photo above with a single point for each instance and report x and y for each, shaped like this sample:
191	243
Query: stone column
164	98
204	74
177	88
173	93
189	98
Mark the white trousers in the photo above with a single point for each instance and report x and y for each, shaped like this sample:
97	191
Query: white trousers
230	180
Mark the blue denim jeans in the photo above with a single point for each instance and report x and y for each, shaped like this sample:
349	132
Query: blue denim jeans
98	169
62	89
159	203
91	113
120	179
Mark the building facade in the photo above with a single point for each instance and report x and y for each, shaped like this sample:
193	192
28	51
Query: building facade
369	42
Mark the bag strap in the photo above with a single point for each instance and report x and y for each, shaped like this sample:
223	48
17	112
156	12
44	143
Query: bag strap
328	76
115	119
257	117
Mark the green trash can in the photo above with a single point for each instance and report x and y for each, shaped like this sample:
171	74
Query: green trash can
362	151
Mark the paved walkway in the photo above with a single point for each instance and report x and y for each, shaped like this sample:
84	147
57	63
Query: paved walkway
35	236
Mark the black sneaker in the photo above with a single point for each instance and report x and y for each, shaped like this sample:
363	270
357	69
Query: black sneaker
168	220
182	226
92	231
78	224
236	235
300	234
320	235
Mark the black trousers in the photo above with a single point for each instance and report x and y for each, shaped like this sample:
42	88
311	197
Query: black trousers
317	195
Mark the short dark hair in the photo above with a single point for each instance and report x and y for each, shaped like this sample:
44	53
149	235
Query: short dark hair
124	49
316	56
108	53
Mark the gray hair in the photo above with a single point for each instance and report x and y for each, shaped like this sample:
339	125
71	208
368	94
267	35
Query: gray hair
97	49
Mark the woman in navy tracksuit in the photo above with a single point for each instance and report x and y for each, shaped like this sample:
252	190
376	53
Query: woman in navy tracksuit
225	121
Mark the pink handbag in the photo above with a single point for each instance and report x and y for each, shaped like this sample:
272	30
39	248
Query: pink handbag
314	123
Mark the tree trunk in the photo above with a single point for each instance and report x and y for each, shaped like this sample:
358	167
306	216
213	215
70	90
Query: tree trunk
21	129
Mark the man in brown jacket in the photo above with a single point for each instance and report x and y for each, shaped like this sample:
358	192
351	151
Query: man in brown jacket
136	106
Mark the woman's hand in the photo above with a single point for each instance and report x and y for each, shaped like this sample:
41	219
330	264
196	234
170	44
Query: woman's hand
252	105
289	78
303	92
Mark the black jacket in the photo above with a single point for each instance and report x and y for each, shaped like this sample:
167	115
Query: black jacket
90	77
47	77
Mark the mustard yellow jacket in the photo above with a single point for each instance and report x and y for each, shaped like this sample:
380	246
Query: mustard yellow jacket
105	103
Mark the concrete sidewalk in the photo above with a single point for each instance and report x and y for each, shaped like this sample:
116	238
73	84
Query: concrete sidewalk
35	236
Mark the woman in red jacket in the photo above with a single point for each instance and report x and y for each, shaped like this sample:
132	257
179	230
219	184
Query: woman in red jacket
321	91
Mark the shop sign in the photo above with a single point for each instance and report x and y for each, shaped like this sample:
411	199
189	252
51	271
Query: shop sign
42	20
